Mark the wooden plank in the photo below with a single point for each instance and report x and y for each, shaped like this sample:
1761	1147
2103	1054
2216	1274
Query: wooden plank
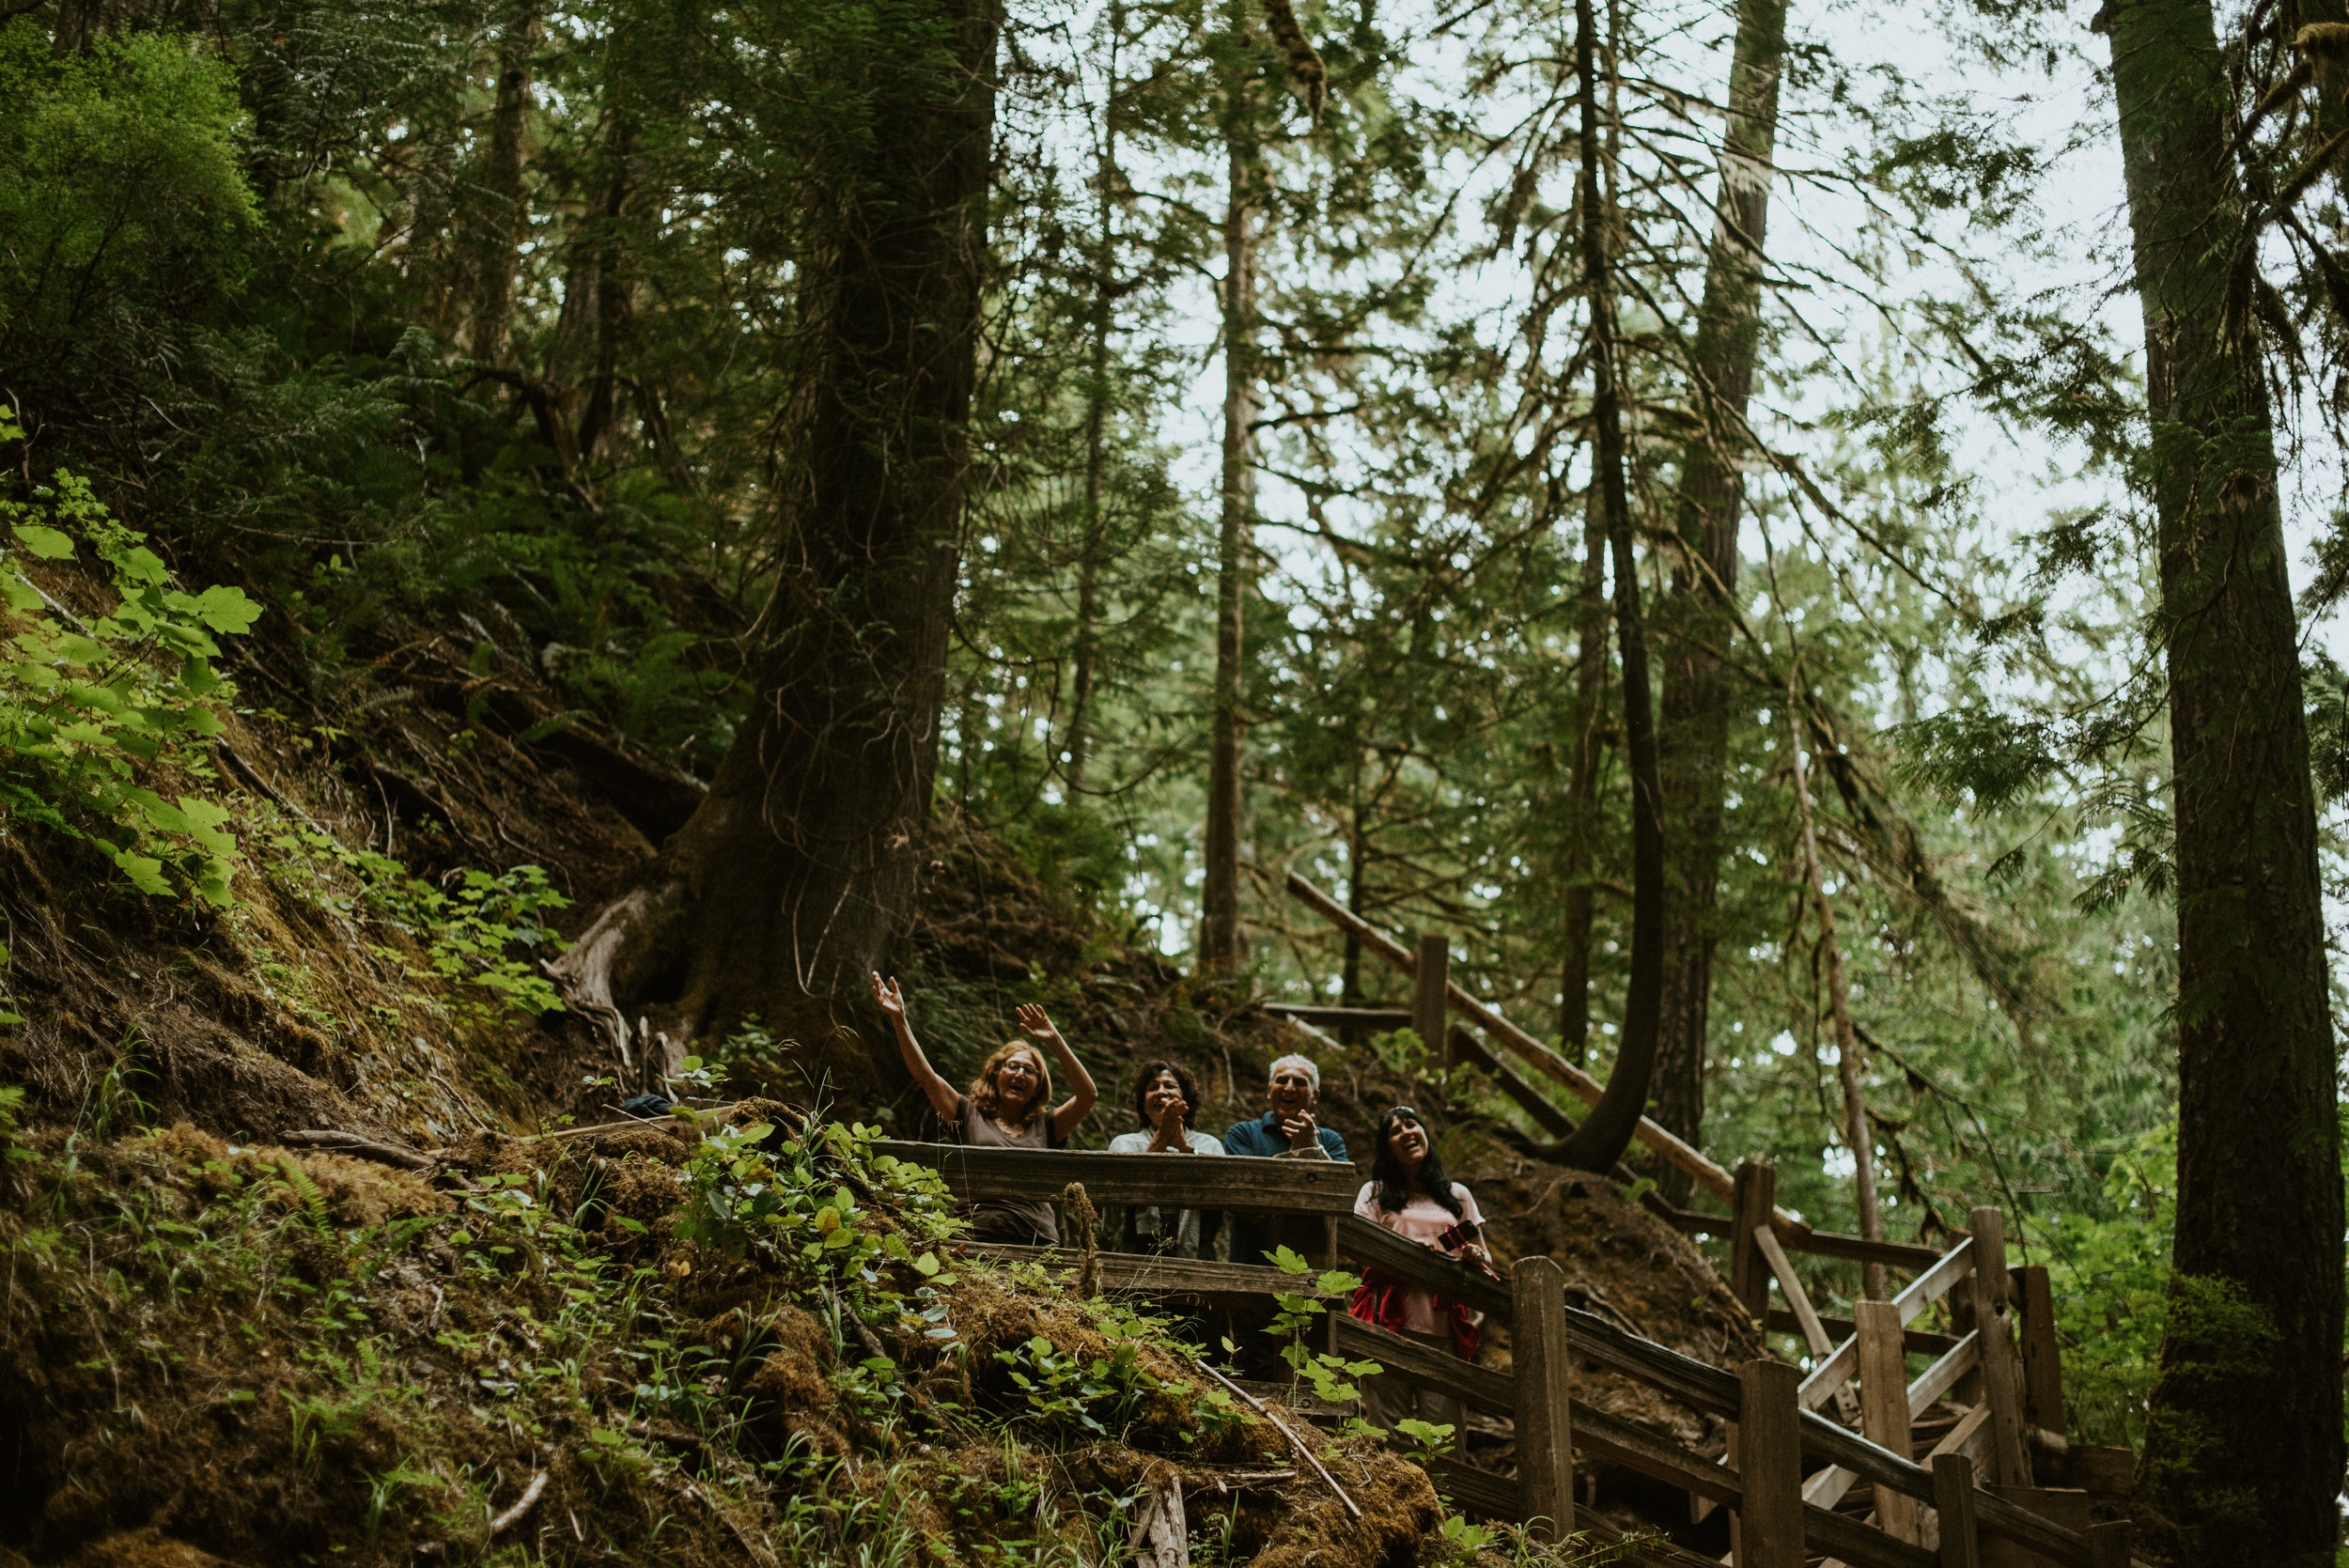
1827	1487
1649	1550
1675	1151
1693	1383
1893	1254
1430	980
1767	1531
2001	1369
1954	1497
1920	1292
1754	1198
1544	1366
2108	1544
1335	1017
1824	1441
1940	1378
1799	1301
1478	1492
1884	1404
2066	1509
1845	1538
1530	1096
1309	1187
1921	1342
1360	1241
1184	1278
2043	1355
1482	1387
1635	1448
1801	1238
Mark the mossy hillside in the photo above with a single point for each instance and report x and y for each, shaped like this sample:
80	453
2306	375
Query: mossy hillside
761	1344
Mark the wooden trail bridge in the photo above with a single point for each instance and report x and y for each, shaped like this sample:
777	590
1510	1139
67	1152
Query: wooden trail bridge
1799	1442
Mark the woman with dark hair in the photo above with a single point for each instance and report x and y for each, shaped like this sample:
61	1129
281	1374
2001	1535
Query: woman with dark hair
1009	1105
1410	1195
1165	1100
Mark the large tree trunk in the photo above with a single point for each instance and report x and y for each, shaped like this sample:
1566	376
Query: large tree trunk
1220	944
1585	757
2243	1455
1692	742
1600	1140
498	226
1078	745
797	873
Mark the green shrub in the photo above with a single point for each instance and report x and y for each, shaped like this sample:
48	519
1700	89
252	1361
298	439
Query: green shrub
88	708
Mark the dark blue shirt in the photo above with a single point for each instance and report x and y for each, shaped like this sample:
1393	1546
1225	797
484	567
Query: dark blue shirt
1263	1140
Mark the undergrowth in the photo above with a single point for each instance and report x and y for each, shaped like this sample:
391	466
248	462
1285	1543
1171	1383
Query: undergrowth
762	1345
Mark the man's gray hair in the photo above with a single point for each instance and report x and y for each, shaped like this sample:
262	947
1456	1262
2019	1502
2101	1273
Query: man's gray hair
1313	1074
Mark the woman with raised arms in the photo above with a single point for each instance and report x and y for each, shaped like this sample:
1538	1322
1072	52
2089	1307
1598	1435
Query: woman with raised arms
1007	1106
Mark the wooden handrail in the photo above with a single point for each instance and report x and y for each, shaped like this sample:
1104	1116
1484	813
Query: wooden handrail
1427	1366
1674	1150
1921	1293
1315	1186
1363	1242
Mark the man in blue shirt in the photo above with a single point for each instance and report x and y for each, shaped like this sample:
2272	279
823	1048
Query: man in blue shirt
1287	1131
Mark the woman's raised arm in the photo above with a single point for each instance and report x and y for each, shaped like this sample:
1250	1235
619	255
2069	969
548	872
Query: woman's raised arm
1081	1094
891	1001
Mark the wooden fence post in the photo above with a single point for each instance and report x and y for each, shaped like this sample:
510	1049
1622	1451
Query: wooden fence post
1756	1199
1767	1529
1884	1404
1429	1002
1543	1367
2001	1371
1953	1500
2043	1357
2109	1545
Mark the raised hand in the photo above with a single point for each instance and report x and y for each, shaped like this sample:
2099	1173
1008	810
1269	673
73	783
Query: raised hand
1303	1130
888	997
1037	1022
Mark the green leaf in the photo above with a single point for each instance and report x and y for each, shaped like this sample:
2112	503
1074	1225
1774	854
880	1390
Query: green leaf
50	544
144	871
227	610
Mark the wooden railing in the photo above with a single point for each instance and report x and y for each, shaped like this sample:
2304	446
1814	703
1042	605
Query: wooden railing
1779	1518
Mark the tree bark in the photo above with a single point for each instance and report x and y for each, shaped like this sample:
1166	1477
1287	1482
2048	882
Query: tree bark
504	214
2242	1454
1220	942
1857	1135
1586	756
1600	1140
1087	651
1692	739
797	873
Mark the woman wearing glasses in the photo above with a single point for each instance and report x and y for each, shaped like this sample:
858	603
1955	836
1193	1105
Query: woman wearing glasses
1410	1195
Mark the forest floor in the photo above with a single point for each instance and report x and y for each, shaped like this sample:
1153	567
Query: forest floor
217	1346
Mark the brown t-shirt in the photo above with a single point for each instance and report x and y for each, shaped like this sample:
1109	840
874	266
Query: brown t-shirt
1021	1222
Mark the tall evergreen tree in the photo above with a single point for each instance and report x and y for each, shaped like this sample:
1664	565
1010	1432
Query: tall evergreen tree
1699	692
798	871
2244	1454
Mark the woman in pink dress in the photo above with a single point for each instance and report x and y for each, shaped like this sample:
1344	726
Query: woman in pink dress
1409	1194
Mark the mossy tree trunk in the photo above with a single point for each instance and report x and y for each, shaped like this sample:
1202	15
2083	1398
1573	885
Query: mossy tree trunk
797	873
2243	1454
1692	736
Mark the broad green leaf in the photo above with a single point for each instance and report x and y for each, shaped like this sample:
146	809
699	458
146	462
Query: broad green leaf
50	544
227	610
144	871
